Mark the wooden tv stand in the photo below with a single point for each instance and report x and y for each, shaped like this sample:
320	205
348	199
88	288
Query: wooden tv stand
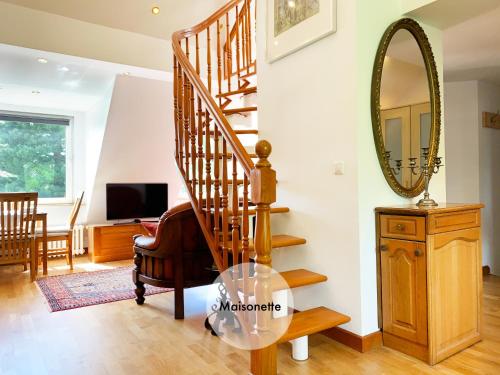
108	242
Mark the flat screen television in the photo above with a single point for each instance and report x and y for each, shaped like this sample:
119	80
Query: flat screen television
136	201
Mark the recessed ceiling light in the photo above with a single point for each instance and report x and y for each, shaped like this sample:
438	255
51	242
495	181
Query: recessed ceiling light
64	69
36	92
41	60
155	10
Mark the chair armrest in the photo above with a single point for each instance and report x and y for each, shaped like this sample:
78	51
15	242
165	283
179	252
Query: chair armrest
145	242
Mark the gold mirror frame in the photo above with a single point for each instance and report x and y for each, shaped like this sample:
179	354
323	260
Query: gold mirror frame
435	98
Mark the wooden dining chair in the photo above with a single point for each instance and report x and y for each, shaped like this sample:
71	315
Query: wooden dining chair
17	230
63	234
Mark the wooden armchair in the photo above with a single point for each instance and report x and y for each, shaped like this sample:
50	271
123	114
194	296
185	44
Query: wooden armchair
177	257
17	230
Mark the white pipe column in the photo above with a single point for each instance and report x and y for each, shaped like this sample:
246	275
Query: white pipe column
300	346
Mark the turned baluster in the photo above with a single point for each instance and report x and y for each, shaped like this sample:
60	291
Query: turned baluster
245	255
186	106
209	61
176	111
180	118
249	35
219	64
229	57
208	172
243	27
238	47
224	204
187	85
216	187
199	129
193	139
263	192
235	222
200	153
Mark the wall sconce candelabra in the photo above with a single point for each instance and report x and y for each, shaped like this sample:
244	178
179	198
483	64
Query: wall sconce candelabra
427	170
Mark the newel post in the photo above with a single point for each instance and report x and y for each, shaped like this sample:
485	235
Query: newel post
263	182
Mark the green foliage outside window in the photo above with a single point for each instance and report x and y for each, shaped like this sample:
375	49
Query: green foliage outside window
33	158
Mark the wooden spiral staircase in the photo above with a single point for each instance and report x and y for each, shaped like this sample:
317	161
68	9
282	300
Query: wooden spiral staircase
215	81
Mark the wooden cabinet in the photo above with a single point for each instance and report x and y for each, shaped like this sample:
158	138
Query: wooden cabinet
108	243
430	279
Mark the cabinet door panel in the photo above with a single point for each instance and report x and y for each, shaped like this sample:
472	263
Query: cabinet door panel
404	289
456	292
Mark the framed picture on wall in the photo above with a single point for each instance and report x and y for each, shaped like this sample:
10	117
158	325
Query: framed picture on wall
294	24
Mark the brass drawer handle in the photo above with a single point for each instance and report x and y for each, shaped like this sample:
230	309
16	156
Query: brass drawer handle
384	247
418	252
400	227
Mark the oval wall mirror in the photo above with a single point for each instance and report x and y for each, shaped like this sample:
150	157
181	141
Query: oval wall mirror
406	106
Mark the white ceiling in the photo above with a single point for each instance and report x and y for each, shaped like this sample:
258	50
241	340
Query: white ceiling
472	49
130	15
446	13
65	82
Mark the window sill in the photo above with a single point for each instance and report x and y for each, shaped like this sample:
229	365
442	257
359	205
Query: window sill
56	203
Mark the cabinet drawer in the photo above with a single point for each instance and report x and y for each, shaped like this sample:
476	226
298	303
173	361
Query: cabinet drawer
447	222
403	227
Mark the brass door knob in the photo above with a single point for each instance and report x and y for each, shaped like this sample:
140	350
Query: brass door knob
384	247
400	227
418	252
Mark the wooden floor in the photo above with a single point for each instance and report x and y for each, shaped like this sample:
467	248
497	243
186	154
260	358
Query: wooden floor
123	338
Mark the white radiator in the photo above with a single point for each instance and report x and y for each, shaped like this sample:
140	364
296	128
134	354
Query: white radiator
78	235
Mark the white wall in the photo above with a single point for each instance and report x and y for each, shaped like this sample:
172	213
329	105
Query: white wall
489	175
307	112
96	120
472	155
462	141
324	91
138	144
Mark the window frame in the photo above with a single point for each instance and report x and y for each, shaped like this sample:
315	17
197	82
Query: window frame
68	198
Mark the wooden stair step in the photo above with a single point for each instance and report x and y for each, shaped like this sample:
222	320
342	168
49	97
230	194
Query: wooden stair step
237	131
229	181
229	156
312	321
234	111
247	75
277	241
293	278
253	211
243	91
274	210
243	70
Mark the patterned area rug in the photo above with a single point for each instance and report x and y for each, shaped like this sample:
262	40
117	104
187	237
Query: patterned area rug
82	289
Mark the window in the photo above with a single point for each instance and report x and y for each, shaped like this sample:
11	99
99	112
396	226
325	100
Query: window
34	155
